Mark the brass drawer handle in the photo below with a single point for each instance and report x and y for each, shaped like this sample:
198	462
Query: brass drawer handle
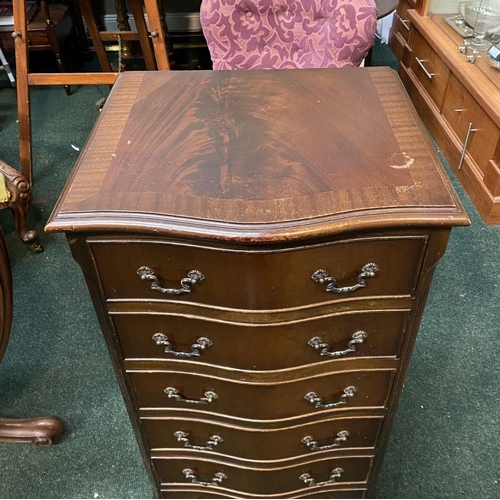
216	480
367	271
196	349
209	396
315	400
313	445
317	343
310	481
420	62
193	277
182	437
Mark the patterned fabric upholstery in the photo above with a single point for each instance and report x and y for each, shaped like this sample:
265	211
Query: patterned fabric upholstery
275	34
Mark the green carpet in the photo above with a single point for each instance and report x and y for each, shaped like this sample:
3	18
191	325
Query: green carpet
445	442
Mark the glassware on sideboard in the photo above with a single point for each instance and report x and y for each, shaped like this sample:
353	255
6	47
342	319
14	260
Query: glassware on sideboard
482	16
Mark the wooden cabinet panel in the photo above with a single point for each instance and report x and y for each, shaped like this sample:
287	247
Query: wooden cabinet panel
261	346
229	282
259	180
429	69
191	491
261	481
472	88
461	109
233	397
401	24
353	434
396	44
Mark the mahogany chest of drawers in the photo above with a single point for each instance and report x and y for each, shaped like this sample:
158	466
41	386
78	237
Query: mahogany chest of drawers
259	247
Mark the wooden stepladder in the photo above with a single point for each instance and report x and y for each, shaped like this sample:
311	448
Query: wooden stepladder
152	42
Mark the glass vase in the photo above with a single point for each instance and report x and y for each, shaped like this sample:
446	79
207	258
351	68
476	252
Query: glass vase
482	15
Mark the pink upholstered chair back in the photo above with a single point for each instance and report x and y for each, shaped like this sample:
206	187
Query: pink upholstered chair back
275	34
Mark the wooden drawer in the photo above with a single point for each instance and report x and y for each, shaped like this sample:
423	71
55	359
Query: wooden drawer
260	280
436	79
263	481
261	346
252	444
191	491
396	44
460	109
263	399
401	23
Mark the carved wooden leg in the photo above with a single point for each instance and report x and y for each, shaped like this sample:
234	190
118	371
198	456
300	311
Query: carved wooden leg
40	431
19	198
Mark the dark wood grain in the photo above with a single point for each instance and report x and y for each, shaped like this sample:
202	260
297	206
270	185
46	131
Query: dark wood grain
233	396
247	445
230	283
249	346
191	491
257	154
257	482
247	178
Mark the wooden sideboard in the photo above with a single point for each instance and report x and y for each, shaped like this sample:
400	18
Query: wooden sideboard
458	101
259	246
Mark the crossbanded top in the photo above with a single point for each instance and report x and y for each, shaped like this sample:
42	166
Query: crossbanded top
257	156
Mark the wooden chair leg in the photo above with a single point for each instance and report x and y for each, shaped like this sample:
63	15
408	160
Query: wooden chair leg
40	431
19	202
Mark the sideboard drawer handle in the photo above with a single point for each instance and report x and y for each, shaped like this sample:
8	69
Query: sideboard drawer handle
193	277
310	481
209	396
404	22
314	446
420	62
216	480
315	400
317	343
367	271
468	135
182	437
196	349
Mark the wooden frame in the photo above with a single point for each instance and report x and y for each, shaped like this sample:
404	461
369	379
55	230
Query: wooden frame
25	78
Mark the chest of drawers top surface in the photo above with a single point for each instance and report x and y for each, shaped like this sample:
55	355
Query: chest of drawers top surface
257	156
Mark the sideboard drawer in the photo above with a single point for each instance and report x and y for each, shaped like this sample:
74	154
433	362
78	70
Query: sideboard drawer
430	70
461	109
262	481
257	444
260	280
164	390
261	346
401	24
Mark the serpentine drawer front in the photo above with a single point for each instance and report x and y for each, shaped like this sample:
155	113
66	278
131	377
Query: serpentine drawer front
266	346
345	269
347	434
350	390
251	481
258	246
